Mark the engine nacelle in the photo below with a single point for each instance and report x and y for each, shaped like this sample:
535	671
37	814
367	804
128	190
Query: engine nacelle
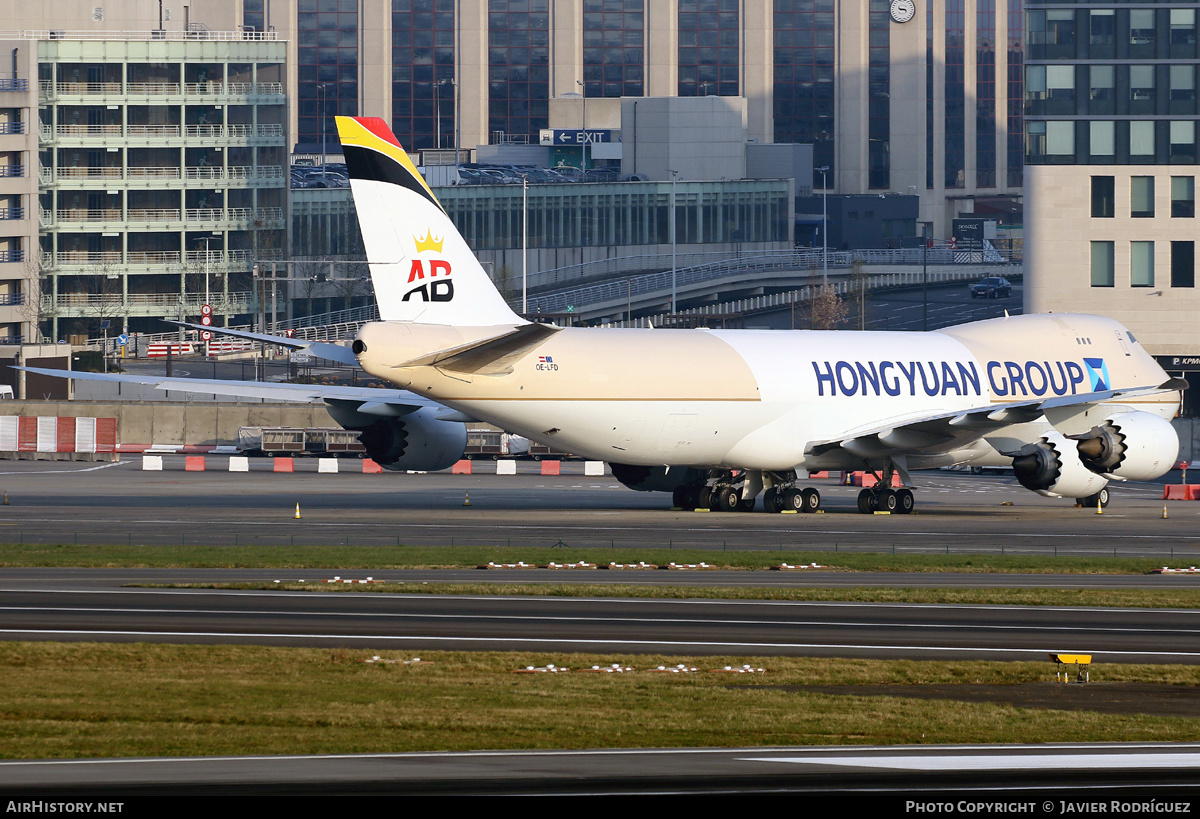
1129	446
656	478
417	441
1051	467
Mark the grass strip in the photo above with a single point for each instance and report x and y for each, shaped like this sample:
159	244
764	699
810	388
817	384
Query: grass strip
419	557
1107	598
73	700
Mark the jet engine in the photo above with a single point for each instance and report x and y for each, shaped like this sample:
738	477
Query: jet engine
657	478
1129	446
1051	467
416	441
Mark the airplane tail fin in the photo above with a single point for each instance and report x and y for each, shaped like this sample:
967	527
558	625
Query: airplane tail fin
421	267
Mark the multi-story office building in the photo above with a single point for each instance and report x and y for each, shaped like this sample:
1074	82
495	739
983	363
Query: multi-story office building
147	168
1111	153
927	103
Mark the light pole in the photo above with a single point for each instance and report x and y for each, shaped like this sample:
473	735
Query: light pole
674	178
524	246
437	104
583	149
824	227
322	87
457	112
925	275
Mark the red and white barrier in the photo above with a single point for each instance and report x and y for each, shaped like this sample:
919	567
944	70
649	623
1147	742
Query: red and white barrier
160	350
27	433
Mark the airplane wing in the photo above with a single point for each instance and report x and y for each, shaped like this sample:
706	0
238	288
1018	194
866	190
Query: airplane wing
367	400
322	349
945	432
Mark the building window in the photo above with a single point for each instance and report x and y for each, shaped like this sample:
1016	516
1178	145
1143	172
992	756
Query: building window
1060	89
1141	89
1183	89
1141	264
1183	141
708	48
1102	264
1183	197
1183	33
804	86
1035	140
1101	90
1141	197
613	42
1183	264
1103	197
1102	33
1103	139
1060	138
1141	33
1141	139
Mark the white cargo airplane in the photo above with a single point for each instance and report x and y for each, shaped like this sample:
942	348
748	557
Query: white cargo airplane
717	417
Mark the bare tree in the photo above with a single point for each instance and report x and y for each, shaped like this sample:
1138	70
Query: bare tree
858	287
827	309
30	309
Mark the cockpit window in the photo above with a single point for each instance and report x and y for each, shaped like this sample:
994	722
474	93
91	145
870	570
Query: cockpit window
1131	338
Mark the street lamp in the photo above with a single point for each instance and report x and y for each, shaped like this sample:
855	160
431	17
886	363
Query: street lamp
524	246
925	275
824	226
674	178
437	104
583	149
322	87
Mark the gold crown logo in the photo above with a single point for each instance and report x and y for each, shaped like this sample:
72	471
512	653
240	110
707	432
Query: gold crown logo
428	243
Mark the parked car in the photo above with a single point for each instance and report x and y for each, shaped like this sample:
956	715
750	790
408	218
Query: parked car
991	287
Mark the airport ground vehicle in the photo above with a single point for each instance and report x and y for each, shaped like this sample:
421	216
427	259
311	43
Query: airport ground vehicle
295	441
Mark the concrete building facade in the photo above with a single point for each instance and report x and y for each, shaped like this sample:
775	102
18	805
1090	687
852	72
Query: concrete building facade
1112	157
153	161
929	105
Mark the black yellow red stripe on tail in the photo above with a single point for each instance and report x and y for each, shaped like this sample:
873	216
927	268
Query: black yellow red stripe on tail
421	267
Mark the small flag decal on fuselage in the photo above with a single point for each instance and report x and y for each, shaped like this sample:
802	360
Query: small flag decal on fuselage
545	359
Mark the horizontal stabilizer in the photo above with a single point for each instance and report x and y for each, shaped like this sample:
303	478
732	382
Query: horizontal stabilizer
321	349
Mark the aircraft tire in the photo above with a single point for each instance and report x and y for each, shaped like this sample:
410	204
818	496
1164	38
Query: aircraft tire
728	498
865	503
886	501
1101	496
681	497
746	504
904	501
770	502
810	499
704	498
793	500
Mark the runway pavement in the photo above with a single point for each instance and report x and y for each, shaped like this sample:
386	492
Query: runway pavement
49	611
1044	780
58	502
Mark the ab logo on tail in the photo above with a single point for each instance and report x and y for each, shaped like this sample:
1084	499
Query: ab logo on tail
436	289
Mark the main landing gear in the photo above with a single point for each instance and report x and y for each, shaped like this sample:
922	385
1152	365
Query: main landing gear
738	492
882	498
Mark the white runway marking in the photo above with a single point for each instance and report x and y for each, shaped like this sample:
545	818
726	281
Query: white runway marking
567	641
996	762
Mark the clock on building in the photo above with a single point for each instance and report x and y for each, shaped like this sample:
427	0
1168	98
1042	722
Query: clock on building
903	10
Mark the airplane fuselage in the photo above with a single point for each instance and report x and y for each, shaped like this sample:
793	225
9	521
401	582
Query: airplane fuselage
760	399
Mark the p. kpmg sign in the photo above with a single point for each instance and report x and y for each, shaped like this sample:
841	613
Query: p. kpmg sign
1184	363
